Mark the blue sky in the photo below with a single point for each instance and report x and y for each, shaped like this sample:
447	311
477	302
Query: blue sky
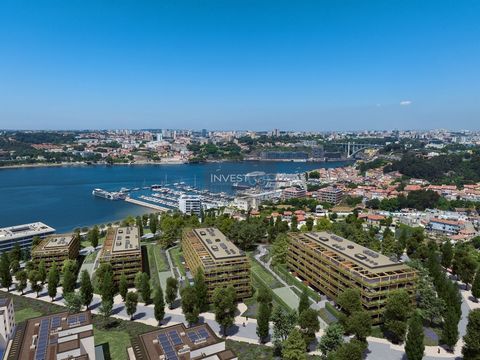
301	65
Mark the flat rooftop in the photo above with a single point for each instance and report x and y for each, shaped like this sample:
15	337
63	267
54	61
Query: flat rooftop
46	336
217	244
56	242
25	230
176	342
361	255
120	240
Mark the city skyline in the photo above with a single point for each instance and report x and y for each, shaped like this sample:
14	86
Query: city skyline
320	66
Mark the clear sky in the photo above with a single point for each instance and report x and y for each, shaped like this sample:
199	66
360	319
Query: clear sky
227	64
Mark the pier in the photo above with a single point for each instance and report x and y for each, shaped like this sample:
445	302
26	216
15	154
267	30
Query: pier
147	205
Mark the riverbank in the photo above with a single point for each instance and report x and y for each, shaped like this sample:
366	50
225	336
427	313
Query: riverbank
142	163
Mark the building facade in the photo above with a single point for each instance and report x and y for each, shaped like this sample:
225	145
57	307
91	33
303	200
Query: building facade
178	342
190	204
54	337
7	322
333	264
22	235
122	250
56	248
330	194
221	261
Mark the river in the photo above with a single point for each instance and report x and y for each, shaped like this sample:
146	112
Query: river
62	196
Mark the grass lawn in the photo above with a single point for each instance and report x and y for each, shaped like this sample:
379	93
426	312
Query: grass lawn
286	276
327	316
246	351
25	314
377	332
90	258
116	340
152	265
177	258
160	258
85	243
265	275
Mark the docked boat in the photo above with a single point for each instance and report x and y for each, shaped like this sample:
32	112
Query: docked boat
108	195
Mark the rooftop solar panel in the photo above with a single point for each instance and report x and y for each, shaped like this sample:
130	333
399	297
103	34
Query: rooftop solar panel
203	333
192	336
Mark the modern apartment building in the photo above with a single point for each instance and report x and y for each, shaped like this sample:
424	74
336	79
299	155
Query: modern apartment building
330	194
222	262
333	264
56	248
294	193
54	337
22	235
190	204
7	322
122	250
178	342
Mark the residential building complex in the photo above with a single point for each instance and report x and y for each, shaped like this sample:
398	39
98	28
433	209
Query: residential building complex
294	193
330	194
122	250
22	235
56	248
54	337
178	342
444	226
333	264
221	261
7	322
190	204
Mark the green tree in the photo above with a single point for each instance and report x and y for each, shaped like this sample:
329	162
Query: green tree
450	328
294	223
142	283
14	266
309	324
131	303
42	270
53	280
35	284
331	340
304	302
106	308
396	313
16	253
123	286
171	291
153	223
69	279
476	285
447	254
309	223
22	278
224	304
352	350
294	347
86	288
159	305
349	301
139	223
73	302
190	304
5	275
360	325
107	288
283	323
201	291
280	249
471	347
93	236
264	296
388	242
263	318
414	346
